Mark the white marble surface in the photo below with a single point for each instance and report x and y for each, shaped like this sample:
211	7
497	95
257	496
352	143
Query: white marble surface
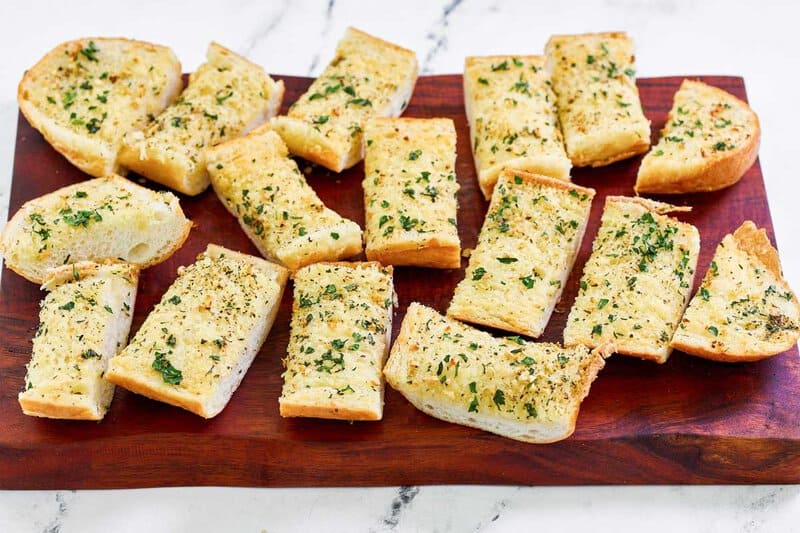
757	40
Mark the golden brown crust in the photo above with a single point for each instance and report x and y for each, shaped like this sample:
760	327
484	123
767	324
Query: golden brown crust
754	242
550	182
289	409
434	254
379	41
639	148
134	383
311	147
662	208
45	409
606	34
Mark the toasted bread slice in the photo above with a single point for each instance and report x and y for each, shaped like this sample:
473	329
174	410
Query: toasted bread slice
194	348
85	94
525	391
96	220
598	103
526	249
637	281
410	192
709	141
84	320
367	78
262	187
226	97
744	310
340	332
512	118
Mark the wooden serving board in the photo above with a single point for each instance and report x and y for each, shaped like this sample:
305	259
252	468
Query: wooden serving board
688	421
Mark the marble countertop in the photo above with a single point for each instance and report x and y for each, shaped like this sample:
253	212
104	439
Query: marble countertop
756	40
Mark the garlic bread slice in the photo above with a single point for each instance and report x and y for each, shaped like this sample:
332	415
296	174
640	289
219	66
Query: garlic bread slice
84	320
262	187
598	103
196	345
512	118
526	249
367	78
637	281
96	220
527	391
84	95
226	97
744	310
340	331
709	141
410	192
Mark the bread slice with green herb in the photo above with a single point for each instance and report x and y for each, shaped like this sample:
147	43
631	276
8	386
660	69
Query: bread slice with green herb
512	117
196	345
526	249
367	78
83	321
709	141
525	391
598	103
637	281
262	187
226	97
84	95
340	332
95	220
410	192
744	310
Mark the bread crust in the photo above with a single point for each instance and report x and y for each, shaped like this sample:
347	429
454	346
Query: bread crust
93	156
719	172
37	276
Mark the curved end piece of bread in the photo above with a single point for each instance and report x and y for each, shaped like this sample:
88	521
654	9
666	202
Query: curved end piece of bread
84	95
227	96
96	220
709	141
744	310
533	393
368	77
65	376
195	347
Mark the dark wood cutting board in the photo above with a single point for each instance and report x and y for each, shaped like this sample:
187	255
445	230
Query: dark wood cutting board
688	421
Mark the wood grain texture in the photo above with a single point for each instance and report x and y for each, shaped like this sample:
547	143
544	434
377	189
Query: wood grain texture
689	421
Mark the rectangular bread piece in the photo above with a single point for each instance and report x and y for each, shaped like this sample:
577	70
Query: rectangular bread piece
85	94
525	253
194	348
367	78
84	320
512	118
340	331
598	103
637	281
226	97
262	187
410	192
525	391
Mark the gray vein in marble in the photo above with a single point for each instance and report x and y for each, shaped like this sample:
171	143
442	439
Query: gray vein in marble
326	28
439	35
405	495
54	526
263	30
495	512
